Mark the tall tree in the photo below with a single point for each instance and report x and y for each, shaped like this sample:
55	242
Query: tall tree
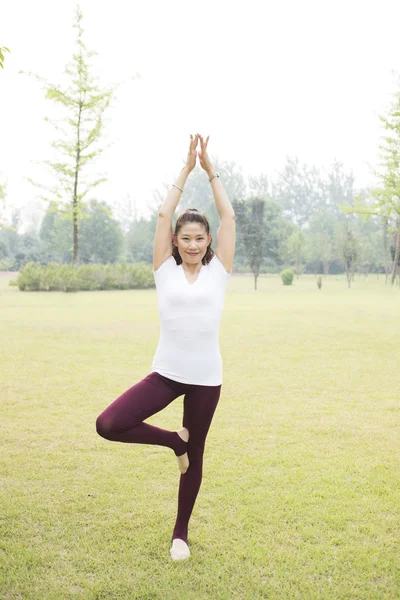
384	200
140	238
321	238
299	190
85	105
55	236
256	232
126	212
296	243
101	235
339	186
348	246
259	186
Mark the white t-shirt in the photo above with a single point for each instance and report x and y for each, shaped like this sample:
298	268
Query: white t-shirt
188	349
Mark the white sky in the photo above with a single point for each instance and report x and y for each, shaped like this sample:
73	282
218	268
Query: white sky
264	79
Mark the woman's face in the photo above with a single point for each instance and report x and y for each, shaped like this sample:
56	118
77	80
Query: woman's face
192	242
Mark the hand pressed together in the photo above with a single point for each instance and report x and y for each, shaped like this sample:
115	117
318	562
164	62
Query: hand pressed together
204	158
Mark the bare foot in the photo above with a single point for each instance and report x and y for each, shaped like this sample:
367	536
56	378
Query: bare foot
183	460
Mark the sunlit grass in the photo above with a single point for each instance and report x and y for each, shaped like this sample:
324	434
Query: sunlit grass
301	486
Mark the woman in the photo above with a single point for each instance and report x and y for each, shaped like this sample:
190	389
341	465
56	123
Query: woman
190	282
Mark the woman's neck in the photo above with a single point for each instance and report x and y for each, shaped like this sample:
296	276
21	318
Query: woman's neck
192	269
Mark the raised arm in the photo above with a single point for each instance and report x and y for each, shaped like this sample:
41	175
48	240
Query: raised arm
162	248
226	234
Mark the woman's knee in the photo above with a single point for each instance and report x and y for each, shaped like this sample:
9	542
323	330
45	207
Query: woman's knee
104	425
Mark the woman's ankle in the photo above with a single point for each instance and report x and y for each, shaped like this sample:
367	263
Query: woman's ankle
180	446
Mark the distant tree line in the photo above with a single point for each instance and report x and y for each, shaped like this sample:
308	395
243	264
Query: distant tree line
297	221
310	219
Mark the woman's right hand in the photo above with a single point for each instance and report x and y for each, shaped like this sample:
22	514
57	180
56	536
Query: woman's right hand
192	154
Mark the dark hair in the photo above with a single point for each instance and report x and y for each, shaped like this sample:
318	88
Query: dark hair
192	215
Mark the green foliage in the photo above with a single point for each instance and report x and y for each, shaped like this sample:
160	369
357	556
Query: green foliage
384	200
261	232
287	277
2	50
298	191
139	240
70	278
349	244
6	264
85	104
101	238
321	238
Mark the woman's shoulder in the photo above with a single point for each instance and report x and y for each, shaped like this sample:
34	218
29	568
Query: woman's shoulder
216	265
166	264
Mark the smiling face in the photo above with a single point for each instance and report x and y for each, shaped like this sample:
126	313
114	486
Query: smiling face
192	242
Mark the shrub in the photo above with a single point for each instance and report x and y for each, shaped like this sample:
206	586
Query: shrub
71	278
287	276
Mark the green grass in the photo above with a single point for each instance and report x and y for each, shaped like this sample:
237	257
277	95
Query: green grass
301	487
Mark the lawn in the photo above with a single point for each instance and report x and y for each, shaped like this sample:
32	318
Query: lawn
301	487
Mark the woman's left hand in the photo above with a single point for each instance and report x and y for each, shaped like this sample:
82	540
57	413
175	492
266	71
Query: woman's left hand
203	156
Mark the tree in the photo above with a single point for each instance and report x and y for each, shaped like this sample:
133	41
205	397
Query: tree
296	243
321	238
101	239
85	105
298	190
384	200
255	233
55	236
339	188
140	238
349	247
125	212
101	235
259	186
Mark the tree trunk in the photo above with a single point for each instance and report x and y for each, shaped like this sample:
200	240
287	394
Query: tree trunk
255	281
75	199
385	248
348	273
396	256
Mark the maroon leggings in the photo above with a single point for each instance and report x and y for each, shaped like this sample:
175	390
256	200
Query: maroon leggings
122	421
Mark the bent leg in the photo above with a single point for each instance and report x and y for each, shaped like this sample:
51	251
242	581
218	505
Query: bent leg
199	407
122	420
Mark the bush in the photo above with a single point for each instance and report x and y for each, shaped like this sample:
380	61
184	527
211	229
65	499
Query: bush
287	276
72	278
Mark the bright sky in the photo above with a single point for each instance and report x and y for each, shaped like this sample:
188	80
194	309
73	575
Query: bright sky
264	79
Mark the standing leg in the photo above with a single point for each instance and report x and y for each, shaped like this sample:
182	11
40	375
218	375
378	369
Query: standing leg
200	403
122	420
